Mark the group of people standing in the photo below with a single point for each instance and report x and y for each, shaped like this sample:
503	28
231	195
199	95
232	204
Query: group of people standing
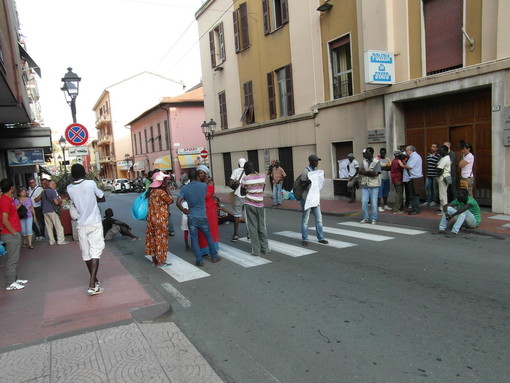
405	171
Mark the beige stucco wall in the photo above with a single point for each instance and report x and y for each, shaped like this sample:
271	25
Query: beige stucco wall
226	80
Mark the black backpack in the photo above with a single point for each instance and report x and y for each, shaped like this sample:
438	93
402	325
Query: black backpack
298	189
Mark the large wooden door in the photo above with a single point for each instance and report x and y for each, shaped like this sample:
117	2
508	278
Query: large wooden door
286	162
460	118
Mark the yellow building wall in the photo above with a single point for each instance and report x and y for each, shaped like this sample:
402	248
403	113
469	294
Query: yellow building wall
339	21
265	54
473	27
415	39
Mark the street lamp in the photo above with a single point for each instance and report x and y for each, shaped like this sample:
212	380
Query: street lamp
71	89
208	128
63	143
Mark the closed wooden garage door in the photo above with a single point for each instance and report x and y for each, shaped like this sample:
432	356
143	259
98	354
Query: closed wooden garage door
458	118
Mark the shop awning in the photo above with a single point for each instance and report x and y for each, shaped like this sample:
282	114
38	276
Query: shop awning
163	163
191	161
139	166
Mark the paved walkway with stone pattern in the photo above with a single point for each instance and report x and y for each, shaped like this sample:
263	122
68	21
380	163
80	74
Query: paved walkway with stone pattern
138	352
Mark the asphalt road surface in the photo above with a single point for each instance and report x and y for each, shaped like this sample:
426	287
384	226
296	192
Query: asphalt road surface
381	303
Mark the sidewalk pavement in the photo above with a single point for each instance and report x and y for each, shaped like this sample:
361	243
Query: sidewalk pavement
492	223
53	331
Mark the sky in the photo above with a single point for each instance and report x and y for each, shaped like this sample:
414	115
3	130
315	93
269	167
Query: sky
106	41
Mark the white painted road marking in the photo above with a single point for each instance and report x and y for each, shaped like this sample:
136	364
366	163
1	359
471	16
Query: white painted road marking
176	294
332	242
355	234
391	229
241	257
284	248
181	270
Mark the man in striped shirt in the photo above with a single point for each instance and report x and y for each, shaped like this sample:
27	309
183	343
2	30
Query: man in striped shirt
431	186
252	187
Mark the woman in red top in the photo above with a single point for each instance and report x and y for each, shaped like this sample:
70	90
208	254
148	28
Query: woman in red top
211	210
396	174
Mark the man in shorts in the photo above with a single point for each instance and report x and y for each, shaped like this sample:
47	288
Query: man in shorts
85	195
237	207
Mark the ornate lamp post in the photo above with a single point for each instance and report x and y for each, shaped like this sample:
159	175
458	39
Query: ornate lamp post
63	144
71	89
208	128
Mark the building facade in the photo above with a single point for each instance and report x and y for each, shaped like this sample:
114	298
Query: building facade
118	104
168	135
359	73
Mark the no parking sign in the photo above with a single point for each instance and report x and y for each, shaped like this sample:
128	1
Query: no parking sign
76	134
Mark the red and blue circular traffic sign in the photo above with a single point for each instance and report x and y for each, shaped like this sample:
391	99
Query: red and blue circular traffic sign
76	134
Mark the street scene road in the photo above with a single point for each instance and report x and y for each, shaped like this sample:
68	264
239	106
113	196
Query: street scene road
380	303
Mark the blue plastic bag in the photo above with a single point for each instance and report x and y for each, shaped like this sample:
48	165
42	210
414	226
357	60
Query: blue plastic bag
2	248
140	207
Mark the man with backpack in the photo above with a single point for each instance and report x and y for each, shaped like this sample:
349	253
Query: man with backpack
237	206
308	186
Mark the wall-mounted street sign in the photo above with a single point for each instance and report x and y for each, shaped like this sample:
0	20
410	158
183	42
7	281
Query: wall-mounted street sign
379	67
376	136
76	134
78	151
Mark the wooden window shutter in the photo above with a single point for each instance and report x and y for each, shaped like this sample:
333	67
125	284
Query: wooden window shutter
223	110
265	12
236	30
211	46
221	38
243	11
271	95
443	21
285	11
290	90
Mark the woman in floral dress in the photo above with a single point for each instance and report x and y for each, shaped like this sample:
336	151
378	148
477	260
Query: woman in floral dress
156	234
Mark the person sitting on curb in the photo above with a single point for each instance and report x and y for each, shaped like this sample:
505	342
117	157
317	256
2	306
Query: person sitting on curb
466	211
112	227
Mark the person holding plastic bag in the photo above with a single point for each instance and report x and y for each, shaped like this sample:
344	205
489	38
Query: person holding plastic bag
156	234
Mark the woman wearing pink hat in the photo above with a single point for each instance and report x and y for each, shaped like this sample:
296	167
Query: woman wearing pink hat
156	234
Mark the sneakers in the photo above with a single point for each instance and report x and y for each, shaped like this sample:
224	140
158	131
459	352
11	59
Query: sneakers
304	243
235	238
432	204
380	209
452	234
216	260
15	286
199	264
364	221
39	239
386	207
63	243
425	204
323	241
374	222
21	282
439	232
96	290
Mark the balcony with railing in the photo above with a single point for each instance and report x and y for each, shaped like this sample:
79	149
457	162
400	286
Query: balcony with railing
104	159
102	120
104	140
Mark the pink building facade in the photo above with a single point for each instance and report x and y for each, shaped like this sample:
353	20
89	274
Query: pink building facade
168	136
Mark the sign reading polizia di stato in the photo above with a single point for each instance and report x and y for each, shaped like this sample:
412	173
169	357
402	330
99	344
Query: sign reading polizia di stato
379	67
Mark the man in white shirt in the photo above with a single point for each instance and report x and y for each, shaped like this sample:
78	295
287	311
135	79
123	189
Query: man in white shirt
237	207
34	192
85	195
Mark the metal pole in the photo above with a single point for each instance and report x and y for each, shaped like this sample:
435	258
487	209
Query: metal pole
65	167
209	138
73	109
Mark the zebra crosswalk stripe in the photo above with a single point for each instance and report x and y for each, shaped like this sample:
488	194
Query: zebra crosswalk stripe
180	270
355	234
284	248
391	229
241	257
332	242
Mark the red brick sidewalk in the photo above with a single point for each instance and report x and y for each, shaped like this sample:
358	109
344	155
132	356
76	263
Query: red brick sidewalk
55	301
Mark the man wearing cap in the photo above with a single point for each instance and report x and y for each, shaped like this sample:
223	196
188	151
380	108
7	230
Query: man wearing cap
353	169
312	181
194	194
237	207
85	195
